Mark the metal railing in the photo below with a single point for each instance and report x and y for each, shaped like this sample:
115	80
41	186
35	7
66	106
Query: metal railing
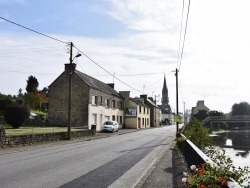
226	118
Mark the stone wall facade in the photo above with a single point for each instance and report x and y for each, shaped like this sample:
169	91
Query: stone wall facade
12	141
58	101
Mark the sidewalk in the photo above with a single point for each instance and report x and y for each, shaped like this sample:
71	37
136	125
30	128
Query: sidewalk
167	172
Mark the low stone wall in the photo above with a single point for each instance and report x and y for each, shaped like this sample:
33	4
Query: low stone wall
12	141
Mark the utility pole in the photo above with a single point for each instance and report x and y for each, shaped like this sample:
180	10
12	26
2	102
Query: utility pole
155	110
70	83
177	102
184	114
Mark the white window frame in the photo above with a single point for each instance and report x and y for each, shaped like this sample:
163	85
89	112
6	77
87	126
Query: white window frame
94	100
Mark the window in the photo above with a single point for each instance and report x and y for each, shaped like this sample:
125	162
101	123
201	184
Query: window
107	103
140	109
113	103
113	117
94	99
144	110
101	101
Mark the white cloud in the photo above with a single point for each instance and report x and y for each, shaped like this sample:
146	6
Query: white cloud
214	67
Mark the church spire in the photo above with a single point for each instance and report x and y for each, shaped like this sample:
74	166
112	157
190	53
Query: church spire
166	109
164	89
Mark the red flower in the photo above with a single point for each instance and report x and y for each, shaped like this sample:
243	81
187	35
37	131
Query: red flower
201	186
224	182
220	180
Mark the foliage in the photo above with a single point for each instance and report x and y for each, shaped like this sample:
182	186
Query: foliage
215	113
216	175
197	133
32	84
15	114
243	108
201	115
4	100
225	165
203	176
181	142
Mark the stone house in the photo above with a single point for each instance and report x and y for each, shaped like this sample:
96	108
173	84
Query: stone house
155	111
92	101
199	106
137	114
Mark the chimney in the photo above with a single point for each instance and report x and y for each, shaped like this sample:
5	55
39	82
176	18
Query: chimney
112	85
68	66
143	97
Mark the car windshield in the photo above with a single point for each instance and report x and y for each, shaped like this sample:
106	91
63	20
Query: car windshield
108	123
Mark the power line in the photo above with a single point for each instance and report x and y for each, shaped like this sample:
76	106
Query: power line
180	32
26	72
184	35
106	70
33	30
134	74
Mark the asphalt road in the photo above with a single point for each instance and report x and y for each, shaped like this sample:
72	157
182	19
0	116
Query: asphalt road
114	161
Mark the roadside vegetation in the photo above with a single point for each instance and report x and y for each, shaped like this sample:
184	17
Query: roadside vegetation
218	174
15	111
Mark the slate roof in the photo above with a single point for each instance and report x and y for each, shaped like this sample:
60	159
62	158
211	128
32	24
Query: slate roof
97	84
138	102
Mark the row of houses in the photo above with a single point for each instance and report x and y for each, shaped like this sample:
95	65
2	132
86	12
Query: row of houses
94	102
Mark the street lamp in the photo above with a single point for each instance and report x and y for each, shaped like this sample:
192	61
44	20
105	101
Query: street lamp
70	85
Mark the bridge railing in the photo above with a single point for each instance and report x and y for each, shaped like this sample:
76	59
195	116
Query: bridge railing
226	118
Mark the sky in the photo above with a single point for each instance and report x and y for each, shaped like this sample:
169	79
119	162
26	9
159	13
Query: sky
136	41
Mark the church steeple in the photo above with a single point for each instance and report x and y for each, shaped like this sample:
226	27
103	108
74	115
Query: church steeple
166	109
164	89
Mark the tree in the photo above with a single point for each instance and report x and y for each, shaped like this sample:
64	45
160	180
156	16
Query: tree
32	85
4	100
201	115
15	114
197	133
32	99
243	108
42	98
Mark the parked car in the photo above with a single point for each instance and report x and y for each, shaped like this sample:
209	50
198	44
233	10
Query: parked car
110	126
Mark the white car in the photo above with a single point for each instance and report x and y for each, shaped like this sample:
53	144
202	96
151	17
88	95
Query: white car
110	126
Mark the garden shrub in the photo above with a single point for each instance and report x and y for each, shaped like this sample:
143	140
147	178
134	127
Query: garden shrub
15	114
197	133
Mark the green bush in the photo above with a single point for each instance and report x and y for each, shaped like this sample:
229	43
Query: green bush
15	114
197	133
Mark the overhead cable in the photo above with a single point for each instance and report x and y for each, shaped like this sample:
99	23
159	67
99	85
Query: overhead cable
33	30
106	70
184	35
180	33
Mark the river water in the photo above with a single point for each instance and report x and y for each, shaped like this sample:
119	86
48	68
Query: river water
237	145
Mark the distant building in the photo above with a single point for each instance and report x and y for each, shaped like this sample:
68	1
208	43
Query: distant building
137	113
155	111
167	116
199	106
